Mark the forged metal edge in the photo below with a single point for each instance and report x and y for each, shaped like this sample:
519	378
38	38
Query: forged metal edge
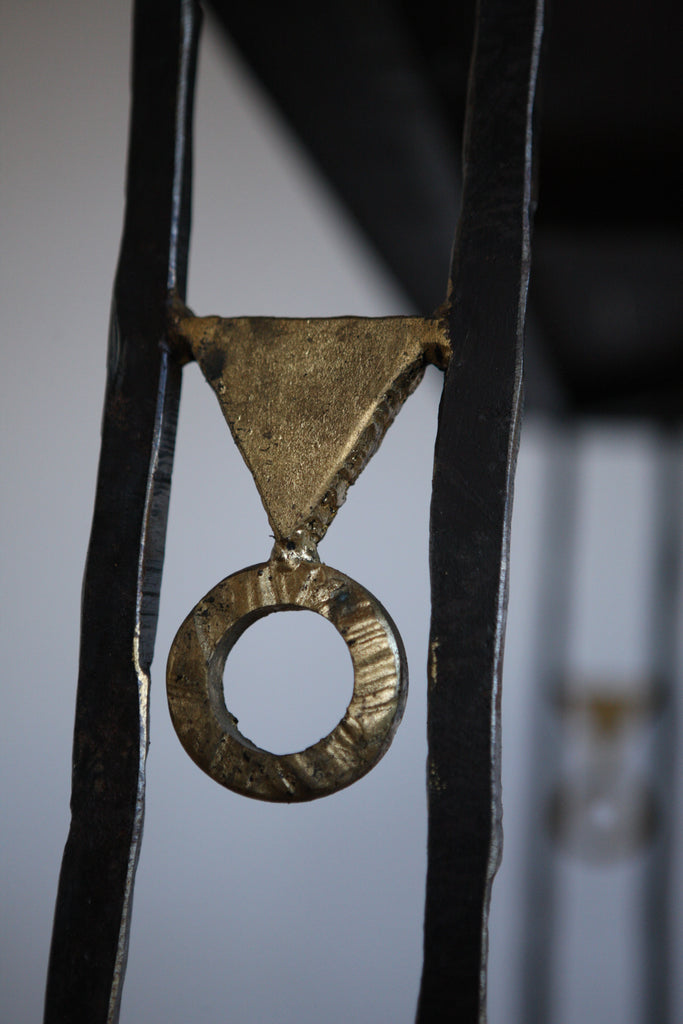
125	555
471	506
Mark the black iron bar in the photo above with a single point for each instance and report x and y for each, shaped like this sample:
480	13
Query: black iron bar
123	570
471	506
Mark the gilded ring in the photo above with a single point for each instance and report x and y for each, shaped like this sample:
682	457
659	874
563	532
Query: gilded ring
209	732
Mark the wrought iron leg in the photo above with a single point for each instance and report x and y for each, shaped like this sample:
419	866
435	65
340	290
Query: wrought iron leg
125	557
476	449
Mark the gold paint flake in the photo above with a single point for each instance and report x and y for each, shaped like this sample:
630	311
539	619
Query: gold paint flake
434	779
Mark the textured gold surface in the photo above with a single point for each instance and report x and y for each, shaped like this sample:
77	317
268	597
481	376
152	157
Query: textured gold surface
209	732
309	401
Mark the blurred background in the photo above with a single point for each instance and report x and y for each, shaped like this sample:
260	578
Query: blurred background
299	914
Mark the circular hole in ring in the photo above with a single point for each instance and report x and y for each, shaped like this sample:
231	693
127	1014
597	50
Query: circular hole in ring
288	680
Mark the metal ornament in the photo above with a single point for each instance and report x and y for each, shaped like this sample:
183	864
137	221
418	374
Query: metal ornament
308	403
209	732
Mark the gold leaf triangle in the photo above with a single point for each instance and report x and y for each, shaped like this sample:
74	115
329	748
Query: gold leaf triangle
308	401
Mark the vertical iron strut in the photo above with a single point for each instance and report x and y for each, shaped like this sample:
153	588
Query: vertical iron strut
474	464
125	556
